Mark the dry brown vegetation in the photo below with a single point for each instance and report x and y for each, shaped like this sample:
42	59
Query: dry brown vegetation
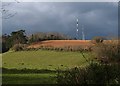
67	45
61	43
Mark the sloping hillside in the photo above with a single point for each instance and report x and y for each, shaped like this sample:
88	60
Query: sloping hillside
61	43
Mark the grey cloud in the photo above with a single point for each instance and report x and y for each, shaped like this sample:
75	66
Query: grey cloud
98	18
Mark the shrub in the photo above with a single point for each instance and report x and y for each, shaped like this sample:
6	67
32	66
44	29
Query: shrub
95	73
19	47
98	40
108	52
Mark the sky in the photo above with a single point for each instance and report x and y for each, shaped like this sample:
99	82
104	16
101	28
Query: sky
97	18
61	0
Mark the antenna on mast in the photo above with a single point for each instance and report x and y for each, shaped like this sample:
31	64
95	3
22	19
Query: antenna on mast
77	29
83	34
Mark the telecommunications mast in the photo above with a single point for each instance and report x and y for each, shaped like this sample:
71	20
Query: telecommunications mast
77	29
83	34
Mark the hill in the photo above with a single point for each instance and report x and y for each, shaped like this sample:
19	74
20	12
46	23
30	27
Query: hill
61	43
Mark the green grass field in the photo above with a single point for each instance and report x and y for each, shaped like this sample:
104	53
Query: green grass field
41	59
29	79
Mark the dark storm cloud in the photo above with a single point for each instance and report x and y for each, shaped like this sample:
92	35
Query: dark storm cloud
98	18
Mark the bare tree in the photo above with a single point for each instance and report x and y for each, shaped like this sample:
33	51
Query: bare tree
5	12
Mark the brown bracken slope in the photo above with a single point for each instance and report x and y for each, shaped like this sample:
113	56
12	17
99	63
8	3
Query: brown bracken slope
61	43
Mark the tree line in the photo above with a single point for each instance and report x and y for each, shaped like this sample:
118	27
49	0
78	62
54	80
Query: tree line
16	37
20	37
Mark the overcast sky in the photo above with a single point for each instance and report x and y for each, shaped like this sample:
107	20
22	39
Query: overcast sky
97	18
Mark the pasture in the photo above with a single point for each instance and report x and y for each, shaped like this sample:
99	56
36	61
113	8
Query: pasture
38	60
47	78
42	59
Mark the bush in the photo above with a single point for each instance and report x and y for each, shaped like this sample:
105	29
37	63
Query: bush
95	73
19	47
108	52
3	47
98	40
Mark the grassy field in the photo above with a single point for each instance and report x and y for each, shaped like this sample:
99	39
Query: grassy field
29	78
41	59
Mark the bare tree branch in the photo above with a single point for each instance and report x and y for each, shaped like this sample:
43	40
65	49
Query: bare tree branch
6	13
17	1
